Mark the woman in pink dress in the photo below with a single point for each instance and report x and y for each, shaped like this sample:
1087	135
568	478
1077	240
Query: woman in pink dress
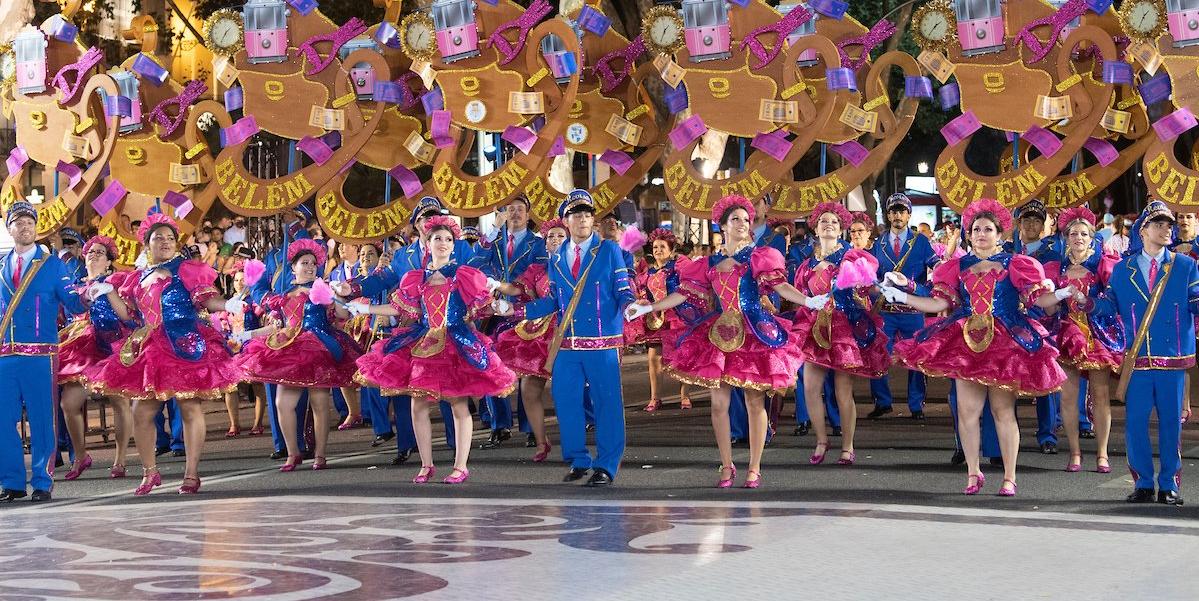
739	342
525	347
1091	346
305	351
175	354
86	341
844	335
437	353
656	283
988	342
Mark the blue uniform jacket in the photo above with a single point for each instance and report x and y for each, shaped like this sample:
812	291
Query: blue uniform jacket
494	263
1170	343
409	258
916	258
34	324
599	317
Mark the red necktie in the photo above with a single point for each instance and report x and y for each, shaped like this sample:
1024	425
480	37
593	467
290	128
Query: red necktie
578	263
895	244
16	273
511	246
1152	272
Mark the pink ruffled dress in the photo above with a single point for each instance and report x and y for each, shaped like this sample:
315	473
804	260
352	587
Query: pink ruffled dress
440	355
1087	342
175	354
525	347
740	342
845	335
309	351
655	284
90	337
988	337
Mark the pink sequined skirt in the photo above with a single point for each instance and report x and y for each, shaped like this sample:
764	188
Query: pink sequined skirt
756	366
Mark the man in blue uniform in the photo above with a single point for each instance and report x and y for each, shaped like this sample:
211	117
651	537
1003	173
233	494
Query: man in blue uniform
34	287
901	250
514	250
589	290
1158	291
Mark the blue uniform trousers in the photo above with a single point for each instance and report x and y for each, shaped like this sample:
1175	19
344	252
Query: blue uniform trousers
28	382
1084	415
276	432
598	371
1157	390
898	326
989	439
1048	414
173	439
381	409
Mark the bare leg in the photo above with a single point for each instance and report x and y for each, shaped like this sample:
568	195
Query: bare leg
321	400
464	429
423	430
721	428
531	391
971	398
73	402
259	391
232	399
755	406
843	388
194	432
1003	408
1070	411
286	398
353	405
813	387
655	366
1100	384
144	434
123	427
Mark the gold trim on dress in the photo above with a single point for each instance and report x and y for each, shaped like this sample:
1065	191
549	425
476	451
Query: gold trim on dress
432	343
728	344
984	323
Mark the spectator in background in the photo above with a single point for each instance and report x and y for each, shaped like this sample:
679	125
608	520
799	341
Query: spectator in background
926	230
236	232
1118	242
861	230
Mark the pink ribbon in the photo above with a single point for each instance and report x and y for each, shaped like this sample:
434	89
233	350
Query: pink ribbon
618	160
1058	20
603	68
85	63
790	22
71	170
408	98
877	35
408	180
532	15
193	90
16	160
557	148
316	149
174	199
109	198
345	33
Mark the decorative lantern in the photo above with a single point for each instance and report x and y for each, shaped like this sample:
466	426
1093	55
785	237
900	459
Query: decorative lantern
1184	21
266	31
980	26
706	29
562	62
362	75
128	84
457	32
30	50
807	58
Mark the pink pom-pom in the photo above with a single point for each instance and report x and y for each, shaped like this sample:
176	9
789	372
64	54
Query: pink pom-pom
632	239
320	293
255	269
856	273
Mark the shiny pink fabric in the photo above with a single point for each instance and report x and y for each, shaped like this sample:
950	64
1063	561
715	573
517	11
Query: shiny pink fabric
303	362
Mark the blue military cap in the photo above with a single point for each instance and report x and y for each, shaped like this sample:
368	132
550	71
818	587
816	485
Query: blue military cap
1154	211
20	208
578	200
425	206
68	233
899	199
1034	208
471	231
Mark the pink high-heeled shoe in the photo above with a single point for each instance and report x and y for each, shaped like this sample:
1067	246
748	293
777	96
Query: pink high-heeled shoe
652	406
727	482
463	474
1103	469
232	433
352	421
190	489
319	463
756	482
80	466
1074	466
117	471
150	480
543	452
1007	492
818	458
426	472
979	481
843	460
255	431
293	461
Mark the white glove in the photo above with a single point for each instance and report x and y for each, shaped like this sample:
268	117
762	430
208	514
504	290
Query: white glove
342	289
1064	293
241	337
817	302
501	307
895	279
492	284
358	309
97	290
636	310
894	295
491	234
235	305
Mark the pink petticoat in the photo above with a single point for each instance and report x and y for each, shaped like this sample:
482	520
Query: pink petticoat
157	373
525	347
843	353
441	376
77	354
1077	350
754	366
305	362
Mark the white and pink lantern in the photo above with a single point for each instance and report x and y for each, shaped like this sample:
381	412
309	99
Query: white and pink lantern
266	31
457	31
706	29
980	26
362	75
129	86
30	49
1184	22
807	58
562	63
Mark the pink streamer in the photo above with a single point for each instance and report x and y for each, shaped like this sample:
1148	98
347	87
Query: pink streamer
408	180
790	22
109	198
345	33
1058	20
85	63
526	22
603	69
16	160
617	159
877	35
193	90
316	149
409	98
72	171
557	148
174	199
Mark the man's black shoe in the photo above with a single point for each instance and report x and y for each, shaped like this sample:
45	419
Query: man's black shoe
1140	495
599	478
996	461
382	438
878	412
803	428
590	427
1048	448
530	441
401	458
575	473
160	451
179	453
497	438
8	494
280	454
918	416
1169	497
959	457
40	495
1087	434
836	431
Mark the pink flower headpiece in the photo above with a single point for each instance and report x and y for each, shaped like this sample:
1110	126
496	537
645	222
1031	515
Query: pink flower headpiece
987	205
152	222
305	245
728	202
664	235
1069	216
443	221
109	246
777	222
835	208
550	224
863	218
